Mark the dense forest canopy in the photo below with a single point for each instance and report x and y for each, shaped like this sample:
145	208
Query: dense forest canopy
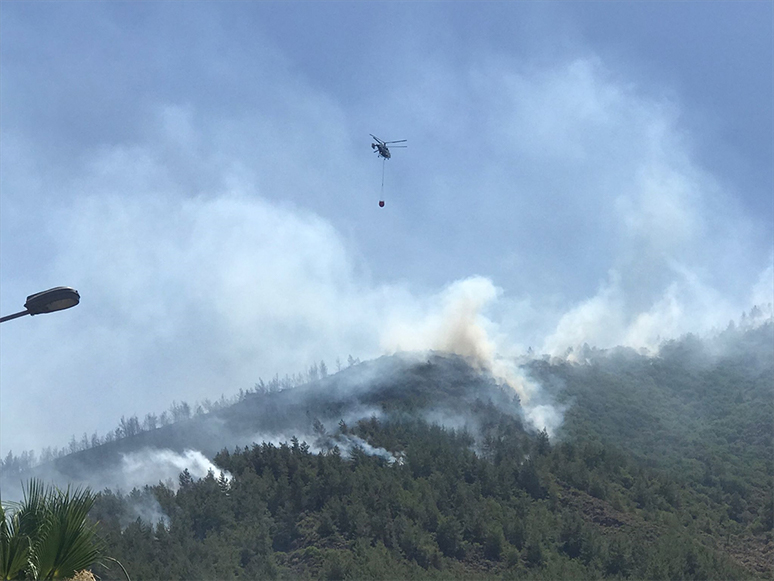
424	467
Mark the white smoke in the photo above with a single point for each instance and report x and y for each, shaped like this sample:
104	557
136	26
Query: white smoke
684	257
142	504
348	443
148	466
762	294
324	443
455	323
151	465
192	277
687	304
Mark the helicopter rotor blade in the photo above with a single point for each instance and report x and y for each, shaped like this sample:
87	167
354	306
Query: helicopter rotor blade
399	141
394	146
377	139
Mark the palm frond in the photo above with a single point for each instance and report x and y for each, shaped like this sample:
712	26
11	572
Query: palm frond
14	548
32	510
67	543
48	535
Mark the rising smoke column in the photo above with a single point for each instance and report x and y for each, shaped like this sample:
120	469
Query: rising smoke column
164	465
454	322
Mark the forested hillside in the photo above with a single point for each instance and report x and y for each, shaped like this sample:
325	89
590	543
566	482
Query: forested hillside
702	414
662	470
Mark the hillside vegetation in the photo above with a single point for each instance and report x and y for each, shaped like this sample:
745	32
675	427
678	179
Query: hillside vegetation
423	469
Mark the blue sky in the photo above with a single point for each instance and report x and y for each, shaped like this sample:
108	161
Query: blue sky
202	173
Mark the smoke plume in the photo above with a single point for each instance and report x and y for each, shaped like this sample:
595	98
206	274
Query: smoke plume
152	465
457	323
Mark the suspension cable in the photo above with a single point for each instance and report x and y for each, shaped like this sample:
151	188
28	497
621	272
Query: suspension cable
381	196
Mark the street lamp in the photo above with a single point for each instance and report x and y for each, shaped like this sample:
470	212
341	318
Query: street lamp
53	299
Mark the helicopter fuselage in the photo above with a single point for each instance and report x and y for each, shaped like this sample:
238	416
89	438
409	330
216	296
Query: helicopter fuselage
381	150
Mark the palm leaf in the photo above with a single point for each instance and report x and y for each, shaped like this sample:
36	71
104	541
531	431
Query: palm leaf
66	542
48	536
32	510
14	548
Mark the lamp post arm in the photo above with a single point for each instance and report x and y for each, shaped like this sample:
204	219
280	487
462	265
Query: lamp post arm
14	316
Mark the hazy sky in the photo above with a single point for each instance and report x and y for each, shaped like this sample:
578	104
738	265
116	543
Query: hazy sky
202	173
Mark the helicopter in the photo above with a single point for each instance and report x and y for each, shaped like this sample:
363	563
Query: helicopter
380	147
